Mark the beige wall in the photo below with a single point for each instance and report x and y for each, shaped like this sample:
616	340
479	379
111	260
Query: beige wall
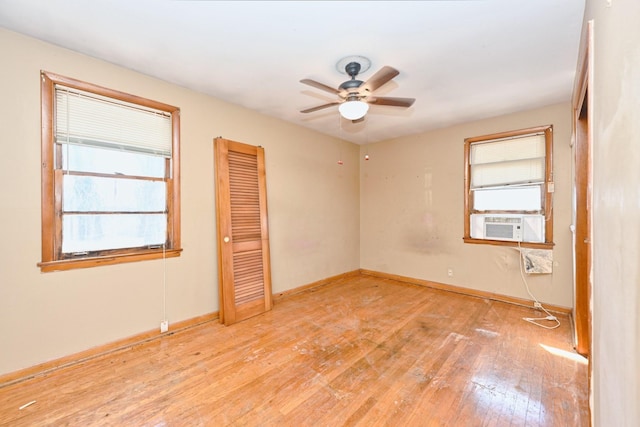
412	204
616	211
313	206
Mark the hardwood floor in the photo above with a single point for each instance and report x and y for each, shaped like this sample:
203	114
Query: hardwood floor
360	351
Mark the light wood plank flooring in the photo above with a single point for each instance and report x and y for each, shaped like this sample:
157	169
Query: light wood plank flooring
359	351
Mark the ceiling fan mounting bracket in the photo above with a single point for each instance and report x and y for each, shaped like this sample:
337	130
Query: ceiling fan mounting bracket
342	64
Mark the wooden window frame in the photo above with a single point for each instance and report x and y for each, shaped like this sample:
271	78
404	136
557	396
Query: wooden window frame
52	257
547	188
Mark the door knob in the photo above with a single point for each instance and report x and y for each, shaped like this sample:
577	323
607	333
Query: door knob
226	239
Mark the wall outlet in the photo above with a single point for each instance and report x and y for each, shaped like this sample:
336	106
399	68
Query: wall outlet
164	326
450	272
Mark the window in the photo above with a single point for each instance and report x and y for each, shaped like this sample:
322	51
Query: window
110	176
509	188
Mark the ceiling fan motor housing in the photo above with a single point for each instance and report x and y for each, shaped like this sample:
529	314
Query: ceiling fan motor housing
351	84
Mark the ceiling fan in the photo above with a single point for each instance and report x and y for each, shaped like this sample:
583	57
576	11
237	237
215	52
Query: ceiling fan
355	95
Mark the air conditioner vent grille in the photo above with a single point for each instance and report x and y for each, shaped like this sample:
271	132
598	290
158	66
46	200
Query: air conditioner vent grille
503	228
499	231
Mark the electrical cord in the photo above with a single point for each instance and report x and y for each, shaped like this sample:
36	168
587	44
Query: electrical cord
536	304
164	281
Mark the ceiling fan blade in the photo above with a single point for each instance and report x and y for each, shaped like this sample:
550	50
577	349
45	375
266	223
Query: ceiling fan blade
385	74
319	85
394	102
320	107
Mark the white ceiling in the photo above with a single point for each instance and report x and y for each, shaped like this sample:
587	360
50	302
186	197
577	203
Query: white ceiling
461	60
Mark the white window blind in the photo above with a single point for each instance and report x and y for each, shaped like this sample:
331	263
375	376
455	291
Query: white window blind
505	162
87	119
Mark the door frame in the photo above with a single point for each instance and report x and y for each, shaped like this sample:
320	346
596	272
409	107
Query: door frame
582	207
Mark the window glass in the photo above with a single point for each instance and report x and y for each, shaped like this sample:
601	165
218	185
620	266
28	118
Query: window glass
508	199
85	233
104	194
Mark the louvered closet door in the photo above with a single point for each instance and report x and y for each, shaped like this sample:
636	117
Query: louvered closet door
243	237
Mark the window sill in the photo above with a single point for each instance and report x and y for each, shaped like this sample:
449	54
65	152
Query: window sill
508	243
72	264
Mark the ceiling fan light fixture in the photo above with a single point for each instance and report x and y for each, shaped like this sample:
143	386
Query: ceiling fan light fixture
353	110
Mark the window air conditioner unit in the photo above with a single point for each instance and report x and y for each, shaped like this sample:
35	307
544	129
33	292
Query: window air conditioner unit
503	228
